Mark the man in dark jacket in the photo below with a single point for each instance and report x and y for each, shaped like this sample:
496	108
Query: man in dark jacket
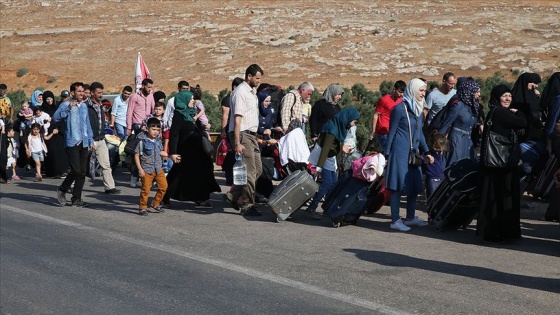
97	121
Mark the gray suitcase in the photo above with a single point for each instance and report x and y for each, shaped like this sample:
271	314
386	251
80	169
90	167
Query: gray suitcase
292	193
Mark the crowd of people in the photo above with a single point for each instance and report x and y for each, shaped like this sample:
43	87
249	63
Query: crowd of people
169	141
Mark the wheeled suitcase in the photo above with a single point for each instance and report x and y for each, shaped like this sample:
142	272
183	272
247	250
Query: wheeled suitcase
378	196
348	200
294	191
456	201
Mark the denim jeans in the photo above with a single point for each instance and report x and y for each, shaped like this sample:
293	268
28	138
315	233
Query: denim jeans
431	185
382	139
329	179
396	205
120	130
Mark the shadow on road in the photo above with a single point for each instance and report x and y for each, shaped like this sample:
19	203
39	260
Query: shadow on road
481	273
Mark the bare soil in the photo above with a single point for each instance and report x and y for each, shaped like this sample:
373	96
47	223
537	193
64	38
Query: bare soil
210	42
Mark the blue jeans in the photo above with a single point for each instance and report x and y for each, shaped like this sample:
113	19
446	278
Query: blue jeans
396	205
329	179
120	130
431	185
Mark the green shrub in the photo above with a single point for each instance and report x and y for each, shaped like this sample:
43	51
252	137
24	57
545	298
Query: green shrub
17	97
21	72
51	80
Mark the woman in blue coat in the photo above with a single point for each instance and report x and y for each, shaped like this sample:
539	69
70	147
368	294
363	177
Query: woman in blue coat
401	177
460	121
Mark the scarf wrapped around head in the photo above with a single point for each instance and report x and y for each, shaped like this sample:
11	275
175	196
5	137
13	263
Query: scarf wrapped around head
331	91
294	124
340	123
496	93
550	91
182	100
412	98
523	98
34	102
264	111
466	93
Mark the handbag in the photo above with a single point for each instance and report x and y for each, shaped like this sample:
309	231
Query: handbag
207	146
414	157
498	151
222	151
131	143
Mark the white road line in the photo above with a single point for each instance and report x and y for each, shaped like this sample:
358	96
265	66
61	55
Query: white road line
218	263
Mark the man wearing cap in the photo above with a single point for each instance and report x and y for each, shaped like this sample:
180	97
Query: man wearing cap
6	108
97	122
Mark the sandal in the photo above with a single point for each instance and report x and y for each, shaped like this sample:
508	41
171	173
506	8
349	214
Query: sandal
142	212
204	204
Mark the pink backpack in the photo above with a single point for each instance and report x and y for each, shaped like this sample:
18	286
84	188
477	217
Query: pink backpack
368	167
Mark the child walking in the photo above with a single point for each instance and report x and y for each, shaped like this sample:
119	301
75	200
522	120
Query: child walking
434	171
36	149
148	158
12	150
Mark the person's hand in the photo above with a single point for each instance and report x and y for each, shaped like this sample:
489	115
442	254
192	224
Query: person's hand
55	131
208	126
163	154
272	141
279	129
176	158
346	149
128	132
239	149
141	173
513	110
430	158
267	132
28	153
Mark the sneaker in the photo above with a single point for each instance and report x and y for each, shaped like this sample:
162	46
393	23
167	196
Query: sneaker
157	209
251	212
399	225
15	177
61	197
112	191
79	203
415	222
133	181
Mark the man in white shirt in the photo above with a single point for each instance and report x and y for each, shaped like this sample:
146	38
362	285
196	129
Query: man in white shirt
118	112
243	125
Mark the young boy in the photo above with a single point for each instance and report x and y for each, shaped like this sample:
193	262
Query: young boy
159	109
148	159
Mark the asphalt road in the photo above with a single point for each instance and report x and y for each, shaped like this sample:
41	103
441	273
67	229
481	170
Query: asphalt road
105	259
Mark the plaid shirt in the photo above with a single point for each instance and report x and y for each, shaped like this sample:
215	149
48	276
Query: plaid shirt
164	126
292	108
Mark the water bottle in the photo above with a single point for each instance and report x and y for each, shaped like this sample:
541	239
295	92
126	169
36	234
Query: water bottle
239	171
165	166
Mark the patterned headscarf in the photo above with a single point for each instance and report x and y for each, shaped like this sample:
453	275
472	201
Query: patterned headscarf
412	98
466	93
331	91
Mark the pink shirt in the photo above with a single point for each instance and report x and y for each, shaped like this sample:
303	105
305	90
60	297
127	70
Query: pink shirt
139	107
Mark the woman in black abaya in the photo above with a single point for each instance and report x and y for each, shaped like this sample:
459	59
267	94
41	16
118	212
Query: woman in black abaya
499	215
192	176
56	162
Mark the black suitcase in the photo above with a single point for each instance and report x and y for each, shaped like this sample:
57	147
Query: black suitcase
347	201
292	193
456	201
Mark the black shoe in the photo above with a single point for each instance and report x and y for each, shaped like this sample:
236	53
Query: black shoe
251	212
113	191
61	197
262	199
79	203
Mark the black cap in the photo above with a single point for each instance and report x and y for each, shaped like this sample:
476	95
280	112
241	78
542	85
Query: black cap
64	94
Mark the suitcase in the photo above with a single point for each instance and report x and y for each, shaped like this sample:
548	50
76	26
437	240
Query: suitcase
456	201
294	191
378	197
347	201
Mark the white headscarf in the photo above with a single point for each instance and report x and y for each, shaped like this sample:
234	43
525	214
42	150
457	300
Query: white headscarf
412	94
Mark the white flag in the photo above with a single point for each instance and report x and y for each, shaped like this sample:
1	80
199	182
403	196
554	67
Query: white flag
142	72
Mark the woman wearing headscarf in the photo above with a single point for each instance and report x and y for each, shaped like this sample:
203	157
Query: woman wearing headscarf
406	126
192	176
325	109
526	99
56	163
462	116
324	153
36	99
499	215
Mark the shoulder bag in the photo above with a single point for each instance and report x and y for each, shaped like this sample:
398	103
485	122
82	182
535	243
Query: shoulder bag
414	157
498	151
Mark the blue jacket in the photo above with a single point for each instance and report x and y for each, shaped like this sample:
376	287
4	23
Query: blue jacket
78	126
400	176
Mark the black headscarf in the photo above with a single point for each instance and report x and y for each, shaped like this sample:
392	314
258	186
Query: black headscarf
496	93
524	99
550	91
49	109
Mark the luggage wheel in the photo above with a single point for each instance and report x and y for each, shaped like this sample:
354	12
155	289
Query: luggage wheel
336	225
279	220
